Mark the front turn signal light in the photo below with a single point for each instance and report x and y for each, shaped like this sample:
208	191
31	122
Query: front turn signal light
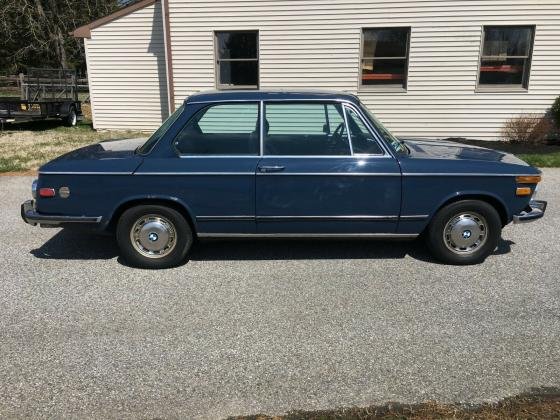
528	179
523	191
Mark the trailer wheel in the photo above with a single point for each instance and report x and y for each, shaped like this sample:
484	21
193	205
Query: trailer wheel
72	118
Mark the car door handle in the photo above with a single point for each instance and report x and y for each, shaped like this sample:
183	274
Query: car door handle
273	168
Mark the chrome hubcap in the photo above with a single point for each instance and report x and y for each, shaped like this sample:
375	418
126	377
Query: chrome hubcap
465	233
153	236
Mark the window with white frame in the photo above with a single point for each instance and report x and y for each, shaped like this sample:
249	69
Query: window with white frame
506	56
237	59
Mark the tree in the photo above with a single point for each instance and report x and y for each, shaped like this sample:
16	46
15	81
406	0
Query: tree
35	33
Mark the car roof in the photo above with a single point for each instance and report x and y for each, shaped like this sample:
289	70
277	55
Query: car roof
271	95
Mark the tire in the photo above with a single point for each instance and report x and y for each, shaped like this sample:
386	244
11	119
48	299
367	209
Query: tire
465	232
71	120
152	236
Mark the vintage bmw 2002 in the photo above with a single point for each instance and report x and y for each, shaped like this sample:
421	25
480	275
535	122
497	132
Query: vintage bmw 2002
284	164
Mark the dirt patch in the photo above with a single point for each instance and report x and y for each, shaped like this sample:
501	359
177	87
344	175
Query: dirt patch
540	403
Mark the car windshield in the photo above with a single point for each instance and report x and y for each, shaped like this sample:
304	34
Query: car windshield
396	144
158	134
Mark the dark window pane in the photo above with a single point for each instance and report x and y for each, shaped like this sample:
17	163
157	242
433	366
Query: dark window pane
305	130
237	45
385	42
239	73
507	71
221	130
507	41
384	72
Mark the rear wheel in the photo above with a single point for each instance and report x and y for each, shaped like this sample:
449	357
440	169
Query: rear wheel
72	118
151	236
465	232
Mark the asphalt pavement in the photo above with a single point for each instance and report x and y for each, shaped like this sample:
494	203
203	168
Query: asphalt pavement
269	327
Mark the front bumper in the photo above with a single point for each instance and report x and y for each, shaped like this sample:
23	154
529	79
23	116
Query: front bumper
534	212
32	217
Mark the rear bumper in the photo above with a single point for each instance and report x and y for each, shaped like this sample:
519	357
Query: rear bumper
32	217
534	212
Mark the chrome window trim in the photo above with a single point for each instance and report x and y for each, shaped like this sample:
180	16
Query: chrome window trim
310	235
347	129
261	128
374	134
216	103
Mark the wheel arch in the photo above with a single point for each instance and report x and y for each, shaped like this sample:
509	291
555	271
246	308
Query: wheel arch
162	201
491	199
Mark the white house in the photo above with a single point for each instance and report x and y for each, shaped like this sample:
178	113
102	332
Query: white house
426	68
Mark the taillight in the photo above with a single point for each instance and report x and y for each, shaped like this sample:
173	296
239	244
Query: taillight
47	192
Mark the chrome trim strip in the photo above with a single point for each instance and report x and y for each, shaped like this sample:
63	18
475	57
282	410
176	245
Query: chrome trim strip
356	156
310	235
414	217
329	174
83	173
224	218
460	174
327	218
194	173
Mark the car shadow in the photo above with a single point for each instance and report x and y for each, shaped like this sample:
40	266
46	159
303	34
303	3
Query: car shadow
71	245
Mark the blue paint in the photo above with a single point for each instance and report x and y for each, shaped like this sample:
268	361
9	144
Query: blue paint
308	195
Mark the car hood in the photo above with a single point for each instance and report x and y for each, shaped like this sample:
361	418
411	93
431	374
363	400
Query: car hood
441	149
111	155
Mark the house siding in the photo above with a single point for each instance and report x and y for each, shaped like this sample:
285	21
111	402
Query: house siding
316	44
127	72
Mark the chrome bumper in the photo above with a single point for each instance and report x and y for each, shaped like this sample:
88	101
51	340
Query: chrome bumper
537	210
32	217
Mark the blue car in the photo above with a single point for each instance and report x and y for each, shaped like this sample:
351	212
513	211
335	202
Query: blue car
283	164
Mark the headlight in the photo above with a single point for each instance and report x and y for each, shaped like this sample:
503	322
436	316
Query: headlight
34	188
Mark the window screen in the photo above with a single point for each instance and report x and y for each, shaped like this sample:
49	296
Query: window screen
506	56
384	58
305	129
227	129
237	59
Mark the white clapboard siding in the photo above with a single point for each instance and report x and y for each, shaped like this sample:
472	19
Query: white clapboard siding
127	72
316	43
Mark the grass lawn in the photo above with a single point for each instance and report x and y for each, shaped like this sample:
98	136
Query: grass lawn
541	155
26	146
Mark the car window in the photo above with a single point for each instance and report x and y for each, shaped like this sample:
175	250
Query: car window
158	134
305	129
362	139
224	129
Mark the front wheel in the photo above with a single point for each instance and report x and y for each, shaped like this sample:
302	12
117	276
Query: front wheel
465	232
151	236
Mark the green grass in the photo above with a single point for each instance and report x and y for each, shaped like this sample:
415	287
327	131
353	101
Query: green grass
543	160
26	146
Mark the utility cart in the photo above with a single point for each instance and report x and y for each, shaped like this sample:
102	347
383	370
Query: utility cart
45	94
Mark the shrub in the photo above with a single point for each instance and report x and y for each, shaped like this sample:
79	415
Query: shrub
527	129
555	111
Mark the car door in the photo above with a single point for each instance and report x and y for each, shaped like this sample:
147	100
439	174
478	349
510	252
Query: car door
213	168
310	181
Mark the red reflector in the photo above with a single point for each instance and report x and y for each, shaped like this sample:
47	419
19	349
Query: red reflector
46	192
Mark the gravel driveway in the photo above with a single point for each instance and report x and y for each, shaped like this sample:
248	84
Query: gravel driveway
268	327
